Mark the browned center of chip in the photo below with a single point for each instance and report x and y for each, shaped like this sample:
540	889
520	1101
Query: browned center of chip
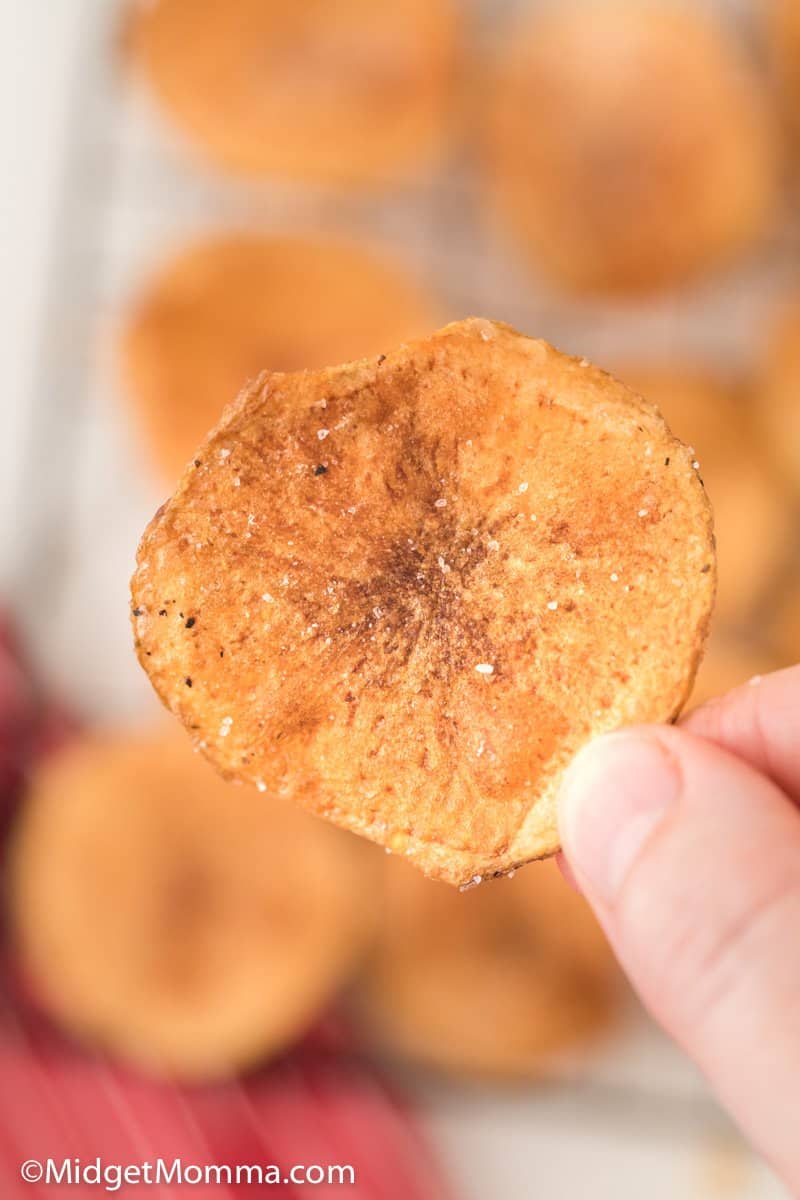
416	585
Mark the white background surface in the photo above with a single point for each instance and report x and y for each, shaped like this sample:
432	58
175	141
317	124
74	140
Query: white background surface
644	1125
37	58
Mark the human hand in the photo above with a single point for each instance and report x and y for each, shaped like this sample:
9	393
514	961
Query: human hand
686	841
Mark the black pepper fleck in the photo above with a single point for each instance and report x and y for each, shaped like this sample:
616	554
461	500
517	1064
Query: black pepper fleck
198	462
320	470
666	462
222	653
188	681
162	612
381	359
190	621
137	612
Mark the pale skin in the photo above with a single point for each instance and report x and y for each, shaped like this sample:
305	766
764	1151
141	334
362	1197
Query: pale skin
686	841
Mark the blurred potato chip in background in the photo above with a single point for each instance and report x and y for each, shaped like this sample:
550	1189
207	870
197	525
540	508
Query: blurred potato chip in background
752	519
778	396
179	923
227	308
731	659
494	982
629	145
783	26
783	624
345	92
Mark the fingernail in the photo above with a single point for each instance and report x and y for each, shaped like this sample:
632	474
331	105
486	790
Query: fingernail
614	794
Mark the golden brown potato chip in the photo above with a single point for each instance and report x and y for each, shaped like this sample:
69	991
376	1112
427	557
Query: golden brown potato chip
779	394
351	92
495	982
612	175
752	517
229	306
170	918
406	590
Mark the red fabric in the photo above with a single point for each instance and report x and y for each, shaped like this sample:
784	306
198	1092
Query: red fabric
319	1105
315	1106
31	725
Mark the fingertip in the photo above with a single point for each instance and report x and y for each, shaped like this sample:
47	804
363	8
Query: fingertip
758	722
568	875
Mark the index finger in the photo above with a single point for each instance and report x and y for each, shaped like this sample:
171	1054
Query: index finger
759	722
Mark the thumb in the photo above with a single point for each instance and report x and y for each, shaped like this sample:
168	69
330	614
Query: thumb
691	860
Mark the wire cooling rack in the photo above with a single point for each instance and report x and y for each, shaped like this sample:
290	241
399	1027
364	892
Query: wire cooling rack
130	192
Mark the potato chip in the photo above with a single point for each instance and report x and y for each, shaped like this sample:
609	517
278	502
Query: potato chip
731	659
170	919
783	24
351	92
405	591
493	983
783	619
752	517
613	177
778	396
